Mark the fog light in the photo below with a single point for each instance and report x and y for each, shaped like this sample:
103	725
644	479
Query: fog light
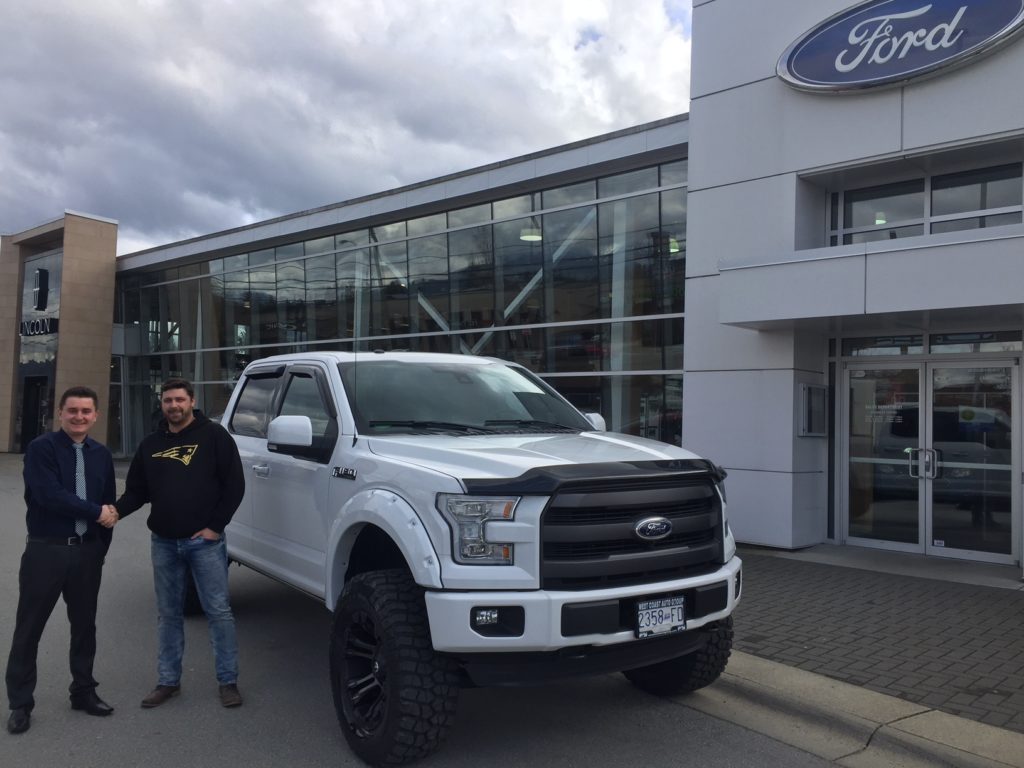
739	582
498	621
485	616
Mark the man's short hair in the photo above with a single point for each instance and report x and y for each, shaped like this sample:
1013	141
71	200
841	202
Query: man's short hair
178	384
80	392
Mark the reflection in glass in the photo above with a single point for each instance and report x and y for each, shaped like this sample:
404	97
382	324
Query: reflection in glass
883	345
986	341
874	235
573	288
885	204
972	434
883	496
976	222
647	406
977	190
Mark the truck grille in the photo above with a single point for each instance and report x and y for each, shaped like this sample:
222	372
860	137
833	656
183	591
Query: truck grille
588	539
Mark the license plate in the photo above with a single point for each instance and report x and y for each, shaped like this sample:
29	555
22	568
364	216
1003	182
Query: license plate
656	617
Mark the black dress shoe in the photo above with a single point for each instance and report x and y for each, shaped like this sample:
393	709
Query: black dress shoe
92	704
19	721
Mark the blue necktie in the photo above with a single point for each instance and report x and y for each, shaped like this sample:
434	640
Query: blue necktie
81	525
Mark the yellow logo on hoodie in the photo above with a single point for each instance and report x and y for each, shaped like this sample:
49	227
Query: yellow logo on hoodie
182	453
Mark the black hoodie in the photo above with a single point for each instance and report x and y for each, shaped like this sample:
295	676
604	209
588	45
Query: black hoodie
193	479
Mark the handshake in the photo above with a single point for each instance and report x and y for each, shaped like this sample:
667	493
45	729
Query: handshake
108	516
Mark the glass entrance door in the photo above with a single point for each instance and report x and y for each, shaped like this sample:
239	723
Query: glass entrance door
931	456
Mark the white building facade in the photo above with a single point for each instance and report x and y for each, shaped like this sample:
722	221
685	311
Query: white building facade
855	271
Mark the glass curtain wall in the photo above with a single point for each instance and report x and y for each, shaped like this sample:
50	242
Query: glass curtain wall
582	284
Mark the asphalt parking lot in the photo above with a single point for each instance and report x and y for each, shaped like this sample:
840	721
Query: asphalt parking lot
288	716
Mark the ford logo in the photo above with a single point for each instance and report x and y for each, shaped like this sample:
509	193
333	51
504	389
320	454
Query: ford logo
890	42
653	528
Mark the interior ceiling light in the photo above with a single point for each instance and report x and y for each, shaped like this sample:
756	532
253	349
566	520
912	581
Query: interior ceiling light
530	234
673	245
880	217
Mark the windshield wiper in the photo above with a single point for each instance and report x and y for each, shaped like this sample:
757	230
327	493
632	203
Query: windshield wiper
530	424
444	426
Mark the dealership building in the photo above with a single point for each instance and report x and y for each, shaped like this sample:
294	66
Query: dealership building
815	278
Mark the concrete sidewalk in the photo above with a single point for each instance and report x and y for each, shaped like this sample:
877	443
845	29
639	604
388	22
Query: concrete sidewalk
948	656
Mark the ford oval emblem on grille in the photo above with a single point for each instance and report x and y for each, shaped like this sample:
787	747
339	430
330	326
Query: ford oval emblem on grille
653	528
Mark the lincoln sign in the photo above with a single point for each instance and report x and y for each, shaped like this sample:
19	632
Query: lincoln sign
890	42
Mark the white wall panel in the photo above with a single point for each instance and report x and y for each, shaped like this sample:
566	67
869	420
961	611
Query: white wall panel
740	419
740	41
713	236
710	346
967	274
760	507
981	99
768	128
797	290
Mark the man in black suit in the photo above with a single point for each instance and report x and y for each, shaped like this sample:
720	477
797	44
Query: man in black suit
69	491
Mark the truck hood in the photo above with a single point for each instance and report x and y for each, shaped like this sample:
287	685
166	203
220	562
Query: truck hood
509	456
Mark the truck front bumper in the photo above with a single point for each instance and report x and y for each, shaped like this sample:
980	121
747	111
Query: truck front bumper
538	621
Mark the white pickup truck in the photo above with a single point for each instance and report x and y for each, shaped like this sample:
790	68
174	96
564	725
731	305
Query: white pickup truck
468	526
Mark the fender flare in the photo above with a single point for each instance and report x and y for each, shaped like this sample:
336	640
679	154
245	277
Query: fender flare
395	516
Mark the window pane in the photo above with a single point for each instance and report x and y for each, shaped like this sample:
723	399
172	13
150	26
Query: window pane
291	302
290	251
519	271
624	183
992	341
976	222
320	245
674	173
427	225
252	412
883	234
389	281
322	298
385	232
883	345
880	205
976	190
673	249
570	248
649	406
478	214
471	265
514	206
630	247
577	193
428	283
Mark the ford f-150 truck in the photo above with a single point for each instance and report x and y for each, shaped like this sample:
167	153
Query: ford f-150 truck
468	526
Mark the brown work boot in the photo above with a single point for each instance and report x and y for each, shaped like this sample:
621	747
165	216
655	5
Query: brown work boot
229	696
159	695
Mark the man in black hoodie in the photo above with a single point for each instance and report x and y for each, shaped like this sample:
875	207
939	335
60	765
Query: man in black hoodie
190	473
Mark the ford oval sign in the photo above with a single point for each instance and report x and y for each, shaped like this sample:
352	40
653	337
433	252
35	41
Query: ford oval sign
653	528
890	42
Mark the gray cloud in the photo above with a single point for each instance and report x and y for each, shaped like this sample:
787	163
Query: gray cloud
184	117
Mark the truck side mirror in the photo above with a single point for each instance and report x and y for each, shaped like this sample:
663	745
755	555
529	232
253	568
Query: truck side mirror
287	432
596	421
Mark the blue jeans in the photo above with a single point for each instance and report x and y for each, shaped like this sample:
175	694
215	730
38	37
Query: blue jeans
208	561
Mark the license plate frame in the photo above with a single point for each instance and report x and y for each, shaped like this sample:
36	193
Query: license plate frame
660	615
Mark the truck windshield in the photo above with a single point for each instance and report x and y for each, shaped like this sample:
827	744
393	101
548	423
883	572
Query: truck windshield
392	396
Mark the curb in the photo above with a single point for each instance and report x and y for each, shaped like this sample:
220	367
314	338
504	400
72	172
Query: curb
849	725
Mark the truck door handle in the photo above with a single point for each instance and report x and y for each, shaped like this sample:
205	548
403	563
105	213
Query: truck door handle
261	470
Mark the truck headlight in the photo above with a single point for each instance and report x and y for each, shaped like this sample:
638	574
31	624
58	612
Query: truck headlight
475	543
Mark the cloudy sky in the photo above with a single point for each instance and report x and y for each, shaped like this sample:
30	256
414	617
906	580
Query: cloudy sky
185	117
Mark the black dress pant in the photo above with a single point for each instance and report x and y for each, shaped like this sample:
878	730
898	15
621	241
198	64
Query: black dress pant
49	571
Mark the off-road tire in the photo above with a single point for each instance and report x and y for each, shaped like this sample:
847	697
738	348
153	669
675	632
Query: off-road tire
691	672
394	696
